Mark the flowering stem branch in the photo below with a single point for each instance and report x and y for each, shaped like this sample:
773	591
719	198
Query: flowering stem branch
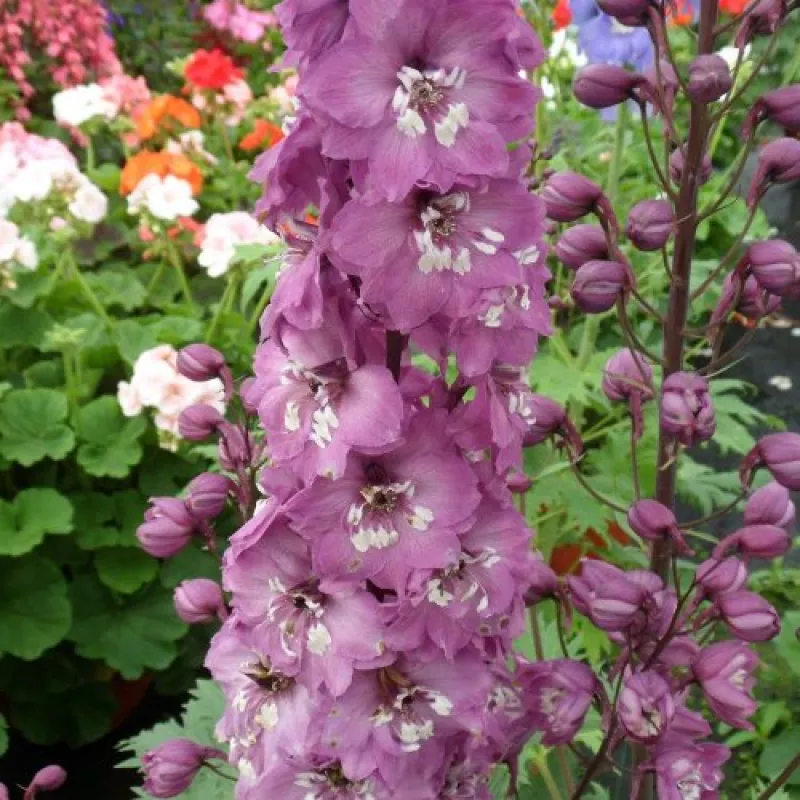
662	180
224	305
593	492
721	512
678	304
175	258
259	311
89	292
218	771
781	779
156	279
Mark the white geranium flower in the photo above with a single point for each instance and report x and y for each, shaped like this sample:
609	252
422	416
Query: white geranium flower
89	204
79	104
223	233
166	198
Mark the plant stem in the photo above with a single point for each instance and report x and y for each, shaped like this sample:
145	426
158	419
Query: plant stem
262	304
781	779
88	291
177	262
547	777
592	326
156	279
224	305
678	304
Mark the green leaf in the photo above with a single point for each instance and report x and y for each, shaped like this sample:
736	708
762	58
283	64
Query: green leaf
94	520
125	569
3	735
118	289
132	339
786	643
189	563
735	418
130	635
33	514
778	752
106	176
34	608
32	426
47	374
199	719
30	287
704	487
499	781
23	327
111	441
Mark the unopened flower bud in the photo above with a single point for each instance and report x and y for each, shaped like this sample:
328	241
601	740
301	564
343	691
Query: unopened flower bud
781	106
198	422
686	408
718	576
598	285
631	13
171	767
568	196
234	447
519	483
581	243
709	78
247	396
676	168
661	86
629	377
749	616
765	18
543	582
47	779
650	224
780	454
653	521
755	541
199	362
775	265
778	162
771	505
604	85
606	595
167	529
645	706
199	600
745	296
207	495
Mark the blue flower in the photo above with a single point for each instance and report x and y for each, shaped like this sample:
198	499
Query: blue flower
606	41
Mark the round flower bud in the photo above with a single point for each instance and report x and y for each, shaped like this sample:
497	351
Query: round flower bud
598	284
651	520
199	362
749	616
568	196
171	767
645	706
709	78
763	19
631	13
604	85
650	224
780	454
781	106
199	600
753	302
775	265
686	408
626	374
717	576
755	541
542	581
581	243
771	505
167	528
198	422
47	779
207	495
519	483
676	168
778	162
248	397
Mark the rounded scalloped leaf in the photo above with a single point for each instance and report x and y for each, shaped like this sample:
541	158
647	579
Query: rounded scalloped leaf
33	514
35	612
110	442
32	426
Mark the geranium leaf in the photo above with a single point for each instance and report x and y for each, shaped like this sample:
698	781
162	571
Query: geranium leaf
33	514
125	569
32	426
111	442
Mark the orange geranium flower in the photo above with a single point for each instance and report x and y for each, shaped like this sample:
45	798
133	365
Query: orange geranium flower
264	135
162	164
734	7
165	113
680	13
562	15
211	69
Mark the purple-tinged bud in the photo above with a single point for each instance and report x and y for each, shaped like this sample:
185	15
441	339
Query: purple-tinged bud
661	87
248	398
709	79
632	13
207	495
744	296
519	483
604	85
650	224
542	581
676	168
171	767
645	706
568	196
653	521
765	18
200	600
725	673
198	422
720	576
234	447
607	596
755	541
775	265
581	243
778	162
627	374
557	694
686	408
780	454
199	362
47	779
781	106
771	505
598	285
749	616
167	529
548	419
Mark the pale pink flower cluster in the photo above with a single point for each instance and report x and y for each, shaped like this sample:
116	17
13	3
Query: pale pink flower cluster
223	232
164	198
285	95
238	20
232	101
191	143
16	250
157	384
127	93
70	35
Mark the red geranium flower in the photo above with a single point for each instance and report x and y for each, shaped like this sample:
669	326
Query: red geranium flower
734	7
562	16
211	69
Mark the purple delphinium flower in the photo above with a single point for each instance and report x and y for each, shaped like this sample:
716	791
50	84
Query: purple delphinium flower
725	673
